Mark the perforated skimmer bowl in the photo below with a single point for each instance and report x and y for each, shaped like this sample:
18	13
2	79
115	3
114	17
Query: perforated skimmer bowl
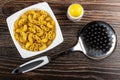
97	39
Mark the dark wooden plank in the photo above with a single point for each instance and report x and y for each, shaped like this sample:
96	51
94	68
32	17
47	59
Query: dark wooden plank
72	66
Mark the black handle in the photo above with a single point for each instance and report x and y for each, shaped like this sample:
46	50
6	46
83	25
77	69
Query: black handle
31	65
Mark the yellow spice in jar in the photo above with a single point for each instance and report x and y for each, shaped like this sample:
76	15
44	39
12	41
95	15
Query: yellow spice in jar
75	10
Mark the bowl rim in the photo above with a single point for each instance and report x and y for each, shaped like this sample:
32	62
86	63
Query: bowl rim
26	53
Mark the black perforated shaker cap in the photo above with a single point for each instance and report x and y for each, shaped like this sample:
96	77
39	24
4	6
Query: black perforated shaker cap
98	39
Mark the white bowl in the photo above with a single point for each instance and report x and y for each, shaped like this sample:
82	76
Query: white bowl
10	22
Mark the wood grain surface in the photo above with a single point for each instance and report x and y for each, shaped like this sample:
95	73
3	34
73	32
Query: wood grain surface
72	66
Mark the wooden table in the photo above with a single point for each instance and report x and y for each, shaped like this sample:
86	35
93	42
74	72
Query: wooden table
73	66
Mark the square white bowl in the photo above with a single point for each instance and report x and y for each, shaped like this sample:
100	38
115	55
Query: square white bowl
10	22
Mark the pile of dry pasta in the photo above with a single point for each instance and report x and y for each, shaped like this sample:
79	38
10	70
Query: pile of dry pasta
35	30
